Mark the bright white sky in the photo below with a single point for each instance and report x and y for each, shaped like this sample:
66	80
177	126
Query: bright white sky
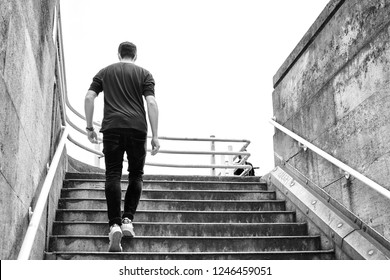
213	62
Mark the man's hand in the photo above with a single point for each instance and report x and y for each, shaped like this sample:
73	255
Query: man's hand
92	137
155	146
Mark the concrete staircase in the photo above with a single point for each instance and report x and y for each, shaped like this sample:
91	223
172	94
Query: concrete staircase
198	217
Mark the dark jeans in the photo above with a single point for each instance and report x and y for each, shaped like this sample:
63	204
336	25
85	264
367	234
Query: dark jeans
115	143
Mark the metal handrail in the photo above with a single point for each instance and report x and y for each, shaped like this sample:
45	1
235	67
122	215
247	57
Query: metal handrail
240	164
234	166
245	155
375	186
31	233
202	152
100	154
71	139
212	153
204	139
73	125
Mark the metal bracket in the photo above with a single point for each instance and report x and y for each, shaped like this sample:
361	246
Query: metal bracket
302	146
30	213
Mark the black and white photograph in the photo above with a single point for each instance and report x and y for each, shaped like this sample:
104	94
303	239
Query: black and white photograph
184	139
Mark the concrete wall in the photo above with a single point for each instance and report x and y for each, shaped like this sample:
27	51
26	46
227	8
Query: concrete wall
29	117
333	90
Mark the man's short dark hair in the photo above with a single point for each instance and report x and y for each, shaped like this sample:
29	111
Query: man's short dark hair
127	49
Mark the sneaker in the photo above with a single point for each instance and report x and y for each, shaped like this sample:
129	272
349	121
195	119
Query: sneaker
127	227
115	237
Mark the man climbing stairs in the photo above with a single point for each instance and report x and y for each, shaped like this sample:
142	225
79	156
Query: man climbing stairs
183	217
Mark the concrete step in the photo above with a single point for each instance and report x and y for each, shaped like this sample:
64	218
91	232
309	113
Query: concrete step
188	178
171	204
186	229
172	185
89	243
183	216
275	255
176	194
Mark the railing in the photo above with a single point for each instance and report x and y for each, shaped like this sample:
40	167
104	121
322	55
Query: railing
32	229
228	164
244	155
306	144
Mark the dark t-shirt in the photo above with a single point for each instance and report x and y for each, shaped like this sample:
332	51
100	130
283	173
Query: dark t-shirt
124	85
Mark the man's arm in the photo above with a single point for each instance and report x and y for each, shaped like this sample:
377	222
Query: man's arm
89	106
153	119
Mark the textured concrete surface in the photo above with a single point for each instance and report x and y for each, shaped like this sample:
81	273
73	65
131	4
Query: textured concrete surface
316	28
188	244
184	216
29	115
312	255
187	229
333	91
175	194
171	178
182	205
77	166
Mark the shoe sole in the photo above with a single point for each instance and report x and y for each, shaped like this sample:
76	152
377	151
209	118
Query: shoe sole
128	232
115	244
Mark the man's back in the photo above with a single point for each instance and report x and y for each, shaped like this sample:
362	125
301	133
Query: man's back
124	85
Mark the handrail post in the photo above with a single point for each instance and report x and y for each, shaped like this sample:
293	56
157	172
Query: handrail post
227	171
230	160
223	172
212	156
